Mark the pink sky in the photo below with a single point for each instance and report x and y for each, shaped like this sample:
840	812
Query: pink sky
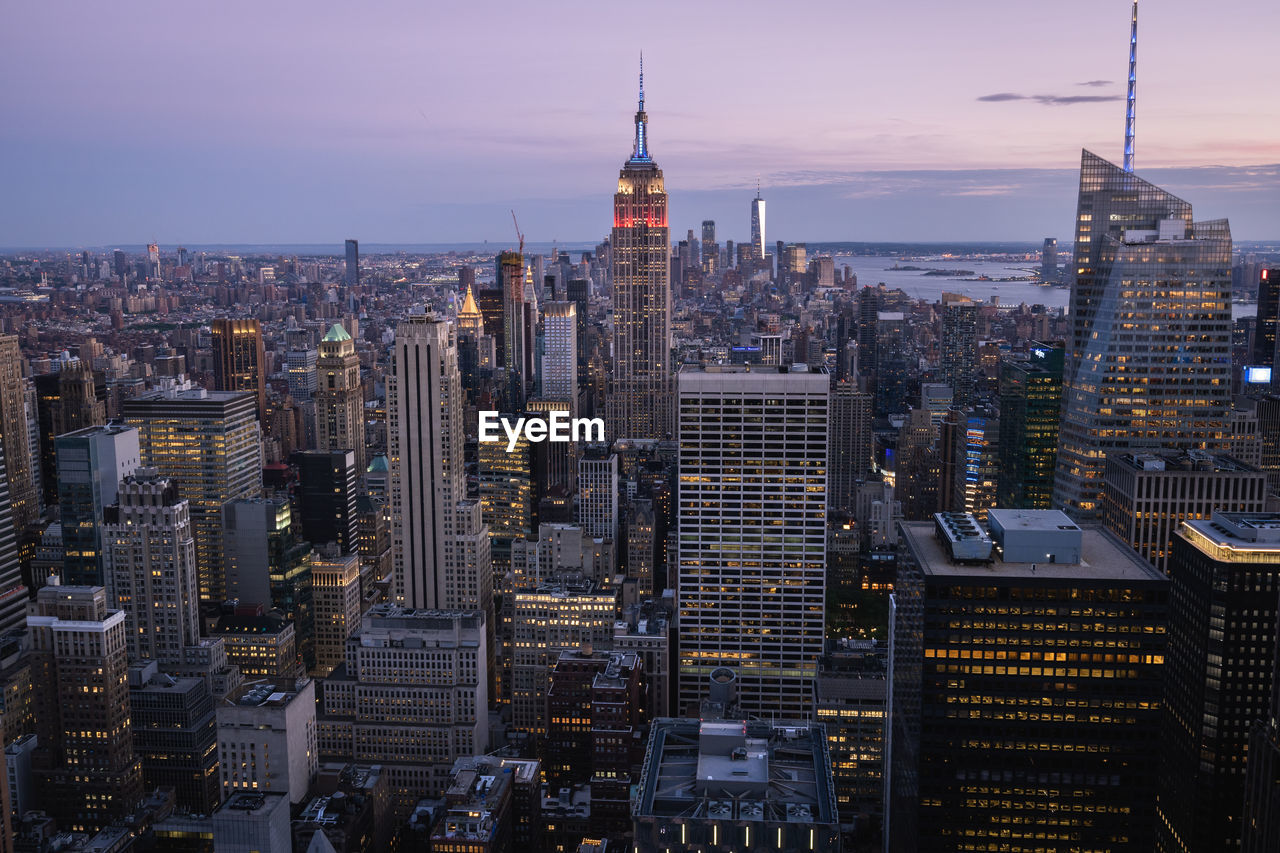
492	102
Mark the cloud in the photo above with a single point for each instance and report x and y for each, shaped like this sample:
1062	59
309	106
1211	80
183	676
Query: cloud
1095	83
1050	100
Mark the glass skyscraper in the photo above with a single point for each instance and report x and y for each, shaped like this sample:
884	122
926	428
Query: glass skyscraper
1030	404
1150	357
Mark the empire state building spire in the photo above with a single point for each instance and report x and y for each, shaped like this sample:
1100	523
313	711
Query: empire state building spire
641	153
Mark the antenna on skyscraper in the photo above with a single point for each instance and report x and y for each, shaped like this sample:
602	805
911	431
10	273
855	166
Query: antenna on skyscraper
1130	102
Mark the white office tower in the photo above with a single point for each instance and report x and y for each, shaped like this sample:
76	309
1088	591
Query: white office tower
149	552
560	356
425	433
751	542
598	493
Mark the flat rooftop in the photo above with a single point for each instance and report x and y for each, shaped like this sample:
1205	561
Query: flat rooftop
1181	462
1102	557
737	770
1228	532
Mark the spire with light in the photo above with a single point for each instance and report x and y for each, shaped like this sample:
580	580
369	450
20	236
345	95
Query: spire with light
641	153
1131	101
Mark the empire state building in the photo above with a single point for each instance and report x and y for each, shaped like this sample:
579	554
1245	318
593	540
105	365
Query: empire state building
640	395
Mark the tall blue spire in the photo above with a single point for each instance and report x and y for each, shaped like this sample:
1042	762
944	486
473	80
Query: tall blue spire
1131	101
641	152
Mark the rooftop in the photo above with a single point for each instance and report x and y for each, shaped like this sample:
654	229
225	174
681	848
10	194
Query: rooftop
1101	557
252	802
1227	534
1180	462
336	334
737	771
272	693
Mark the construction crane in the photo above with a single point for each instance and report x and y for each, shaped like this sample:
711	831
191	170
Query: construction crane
518	234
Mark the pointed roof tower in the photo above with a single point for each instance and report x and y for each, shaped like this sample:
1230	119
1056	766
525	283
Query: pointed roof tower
640	154
469	307
336	334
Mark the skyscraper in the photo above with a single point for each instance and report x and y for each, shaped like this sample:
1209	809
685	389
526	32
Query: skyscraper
209	444
506	495
639	397
1049	261
511	279
327	488
560	361
13	434
425	436
960	345
268	566
850	443
239	361
757	227
91	464
335	579
340	396
470	318
710	248
752	532
1030	403
13	593
1150	358
1261	819
90	773
150	556
1264	340
892	362
352	272
1222	647
987	640
598	493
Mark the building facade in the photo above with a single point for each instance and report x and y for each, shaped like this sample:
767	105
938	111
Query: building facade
1030	408
1002	644
209	444
425	434
639	396
412	695
89	774
267	741
1225	574
239	360
150	555
751	542
1149	363
1147	496
339	396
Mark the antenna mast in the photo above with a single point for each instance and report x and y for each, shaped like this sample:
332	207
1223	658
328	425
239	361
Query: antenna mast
1133	83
